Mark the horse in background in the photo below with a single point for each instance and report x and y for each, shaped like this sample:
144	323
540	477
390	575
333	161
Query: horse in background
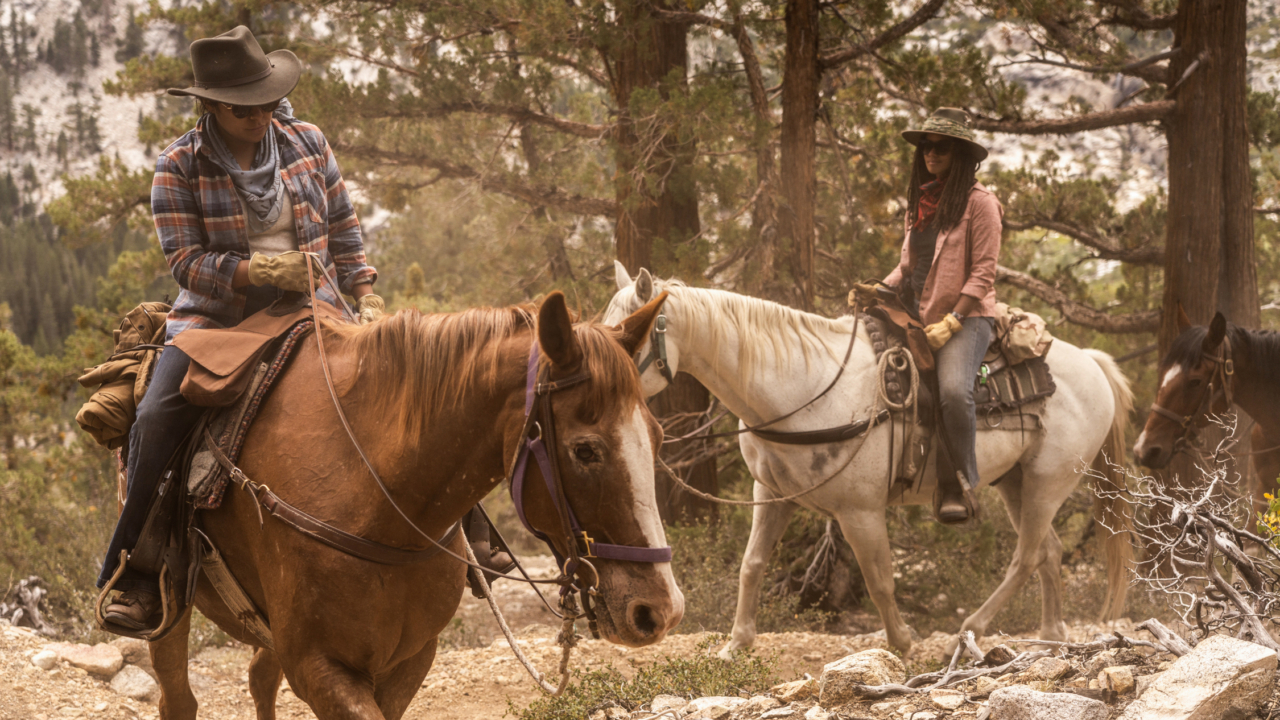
438	404
764	360
1208	369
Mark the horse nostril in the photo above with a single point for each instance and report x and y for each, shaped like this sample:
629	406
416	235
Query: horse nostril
643	620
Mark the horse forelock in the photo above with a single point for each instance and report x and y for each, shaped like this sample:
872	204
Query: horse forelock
614	386
420	364
761	326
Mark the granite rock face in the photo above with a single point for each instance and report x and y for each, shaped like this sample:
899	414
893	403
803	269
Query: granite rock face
1221	678
842	678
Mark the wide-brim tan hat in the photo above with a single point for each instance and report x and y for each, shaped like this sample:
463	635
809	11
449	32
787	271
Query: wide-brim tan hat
951	122
231	68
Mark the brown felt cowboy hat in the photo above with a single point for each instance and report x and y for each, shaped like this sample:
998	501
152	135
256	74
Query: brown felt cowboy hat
231	68
951	122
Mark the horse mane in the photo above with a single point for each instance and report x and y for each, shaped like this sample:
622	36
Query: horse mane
1257	351
761	325
425	363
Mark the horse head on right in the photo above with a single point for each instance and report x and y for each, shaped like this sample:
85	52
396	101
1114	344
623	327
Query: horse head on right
606	442
1195	384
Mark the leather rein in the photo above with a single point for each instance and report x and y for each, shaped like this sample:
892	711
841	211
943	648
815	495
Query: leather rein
657	356
1219	385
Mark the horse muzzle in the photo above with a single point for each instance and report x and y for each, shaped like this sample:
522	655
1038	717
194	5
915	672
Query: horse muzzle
638	607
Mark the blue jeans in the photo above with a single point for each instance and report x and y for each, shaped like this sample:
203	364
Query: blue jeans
957	365
164	419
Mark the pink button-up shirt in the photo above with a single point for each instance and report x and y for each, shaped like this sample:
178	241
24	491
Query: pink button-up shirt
964	260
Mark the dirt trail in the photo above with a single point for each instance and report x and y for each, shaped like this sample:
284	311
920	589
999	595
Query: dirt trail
466	683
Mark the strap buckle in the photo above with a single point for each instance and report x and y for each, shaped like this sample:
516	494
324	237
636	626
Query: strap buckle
587	546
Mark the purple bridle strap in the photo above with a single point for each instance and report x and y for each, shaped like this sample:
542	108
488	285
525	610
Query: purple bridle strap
534	446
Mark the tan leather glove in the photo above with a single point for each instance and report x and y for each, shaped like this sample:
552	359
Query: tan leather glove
287	271
370	307
940	332
863	295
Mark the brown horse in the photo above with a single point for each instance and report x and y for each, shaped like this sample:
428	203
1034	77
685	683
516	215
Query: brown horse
437	403
1206	371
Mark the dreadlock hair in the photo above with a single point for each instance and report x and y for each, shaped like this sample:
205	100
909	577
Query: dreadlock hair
955	194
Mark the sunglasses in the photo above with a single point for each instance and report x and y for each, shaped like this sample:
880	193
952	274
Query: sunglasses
939	147
245	111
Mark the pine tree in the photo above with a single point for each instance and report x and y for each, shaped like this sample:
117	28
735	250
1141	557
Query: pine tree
7	115
29	139
133	43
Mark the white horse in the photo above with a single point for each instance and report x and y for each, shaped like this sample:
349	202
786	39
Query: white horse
764	360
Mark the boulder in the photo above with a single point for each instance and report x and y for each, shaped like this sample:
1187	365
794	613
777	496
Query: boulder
133	682
663	703
1018	702
789	692
711	708
1222	677
45	659
101	659
1046	668
1142	682
842	678
133	650
1118	680
756	706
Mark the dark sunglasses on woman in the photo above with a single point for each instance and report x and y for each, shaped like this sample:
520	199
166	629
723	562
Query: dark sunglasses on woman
939	147
244	111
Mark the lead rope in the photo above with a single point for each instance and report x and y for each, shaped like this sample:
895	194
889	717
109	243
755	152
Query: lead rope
567	639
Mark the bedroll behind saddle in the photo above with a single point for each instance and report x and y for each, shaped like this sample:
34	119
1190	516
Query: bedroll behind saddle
122	380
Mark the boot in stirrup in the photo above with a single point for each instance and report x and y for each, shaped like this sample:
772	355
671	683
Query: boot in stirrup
956	501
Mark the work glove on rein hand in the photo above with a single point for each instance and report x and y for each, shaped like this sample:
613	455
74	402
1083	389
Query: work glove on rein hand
863	295
370	307
940	332
287	271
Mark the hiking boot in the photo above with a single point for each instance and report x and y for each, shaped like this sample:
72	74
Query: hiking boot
956	502
490	559
134	609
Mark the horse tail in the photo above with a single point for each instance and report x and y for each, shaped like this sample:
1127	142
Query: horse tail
1111	514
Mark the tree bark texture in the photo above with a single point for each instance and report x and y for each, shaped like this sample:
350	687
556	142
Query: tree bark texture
650	220
801	75
650	50
688	399
1209	249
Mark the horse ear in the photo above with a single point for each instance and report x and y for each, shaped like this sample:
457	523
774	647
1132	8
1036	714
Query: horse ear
1184	322
555	333
644	285
635	328
621	276
1217	331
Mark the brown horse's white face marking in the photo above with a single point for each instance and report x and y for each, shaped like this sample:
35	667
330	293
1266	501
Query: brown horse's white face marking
606	459
1183	391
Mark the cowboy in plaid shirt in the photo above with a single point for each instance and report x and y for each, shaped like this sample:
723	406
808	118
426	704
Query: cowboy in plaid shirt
244	204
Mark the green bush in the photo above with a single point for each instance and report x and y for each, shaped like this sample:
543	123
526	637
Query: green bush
701	674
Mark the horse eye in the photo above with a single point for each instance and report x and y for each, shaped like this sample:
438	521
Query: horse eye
584	452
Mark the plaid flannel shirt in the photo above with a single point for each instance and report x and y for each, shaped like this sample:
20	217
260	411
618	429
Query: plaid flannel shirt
203	230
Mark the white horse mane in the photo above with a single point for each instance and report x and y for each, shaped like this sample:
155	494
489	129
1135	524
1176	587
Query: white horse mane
759	324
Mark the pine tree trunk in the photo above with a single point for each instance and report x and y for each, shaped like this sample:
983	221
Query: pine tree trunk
1209	248
799	143
648	222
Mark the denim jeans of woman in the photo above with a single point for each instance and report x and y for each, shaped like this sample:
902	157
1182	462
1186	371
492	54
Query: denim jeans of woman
957	365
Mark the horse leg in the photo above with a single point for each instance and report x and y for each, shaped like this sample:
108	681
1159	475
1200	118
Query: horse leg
264	682
1052	626
333	690
867	534
169	658
1033	520
396	691
768	523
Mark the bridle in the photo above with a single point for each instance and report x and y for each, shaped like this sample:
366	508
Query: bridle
1219	385
657	355
538	434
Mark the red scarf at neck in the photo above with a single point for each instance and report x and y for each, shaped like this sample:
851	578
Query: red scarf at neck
928	205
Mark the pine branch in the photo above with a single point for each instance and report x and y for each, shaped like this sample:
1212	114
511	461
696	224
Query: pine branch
1079	313
1106	247
503	184
926	13
1089	121
1127	69
1136	17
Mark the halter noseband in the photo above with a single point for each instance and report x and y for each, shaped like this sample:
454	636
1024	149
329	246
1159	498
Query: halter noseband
657	351
1223	371
539	433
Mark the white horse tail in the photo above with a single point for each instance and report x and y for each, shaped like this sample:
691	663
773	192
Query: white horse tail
1111	514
